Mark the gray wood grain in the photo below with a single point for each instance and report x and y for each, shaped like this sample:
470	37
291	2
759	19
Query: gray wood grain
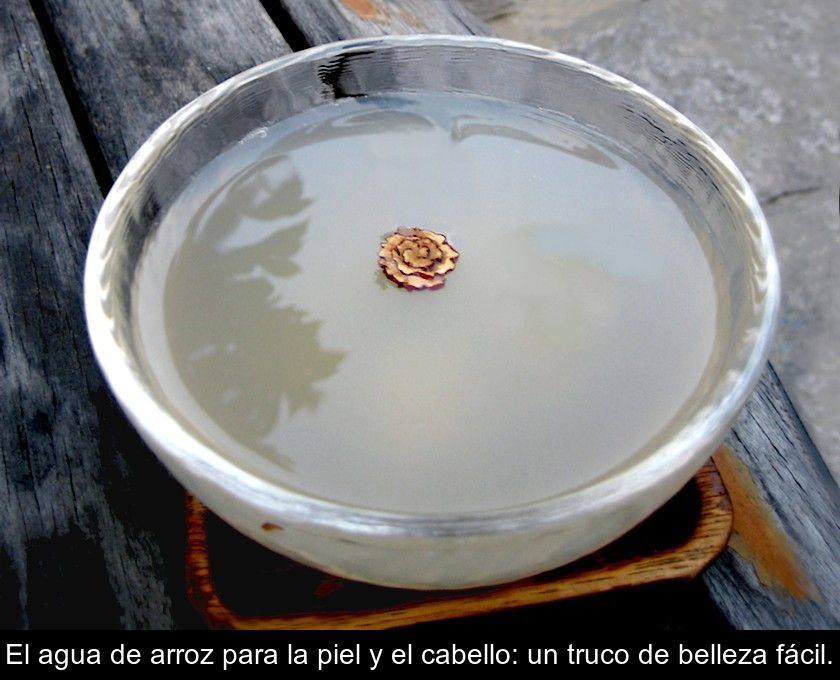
792	503
797	497
136	62
92	524
80	544
329	20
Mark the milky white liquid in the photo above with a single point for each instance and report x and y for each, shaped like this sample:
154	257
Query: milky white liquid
578	322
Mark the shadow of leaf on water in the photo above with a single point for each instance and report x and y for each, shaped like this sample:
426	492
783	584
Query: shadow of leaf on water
245	355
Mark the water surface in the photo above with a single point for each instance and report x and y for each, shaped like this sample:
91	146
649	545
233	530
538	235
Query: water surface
579	320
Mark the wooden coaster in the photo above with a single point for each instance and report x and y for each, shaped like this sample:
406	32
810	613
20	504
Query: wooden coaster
235	583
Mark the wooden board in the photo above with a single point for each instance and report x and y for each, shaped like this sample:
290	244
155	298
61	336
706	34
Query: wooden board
135	62
328	20
782	568
271	592
77	480
80	545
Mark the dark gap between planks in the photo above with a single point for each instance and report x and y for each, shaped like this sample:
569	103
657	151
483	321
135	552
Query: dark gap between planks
293	36
86	133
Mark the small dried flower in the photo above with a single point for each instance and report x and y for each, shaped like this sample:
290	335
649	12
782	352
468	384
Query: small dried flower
416	258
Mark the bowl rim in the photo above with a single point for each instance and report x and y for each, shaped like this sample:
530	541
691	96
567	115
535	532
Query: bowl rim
175	446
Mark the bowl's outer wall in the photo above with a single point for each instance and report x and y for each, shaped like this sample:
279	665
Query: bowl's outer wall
475	549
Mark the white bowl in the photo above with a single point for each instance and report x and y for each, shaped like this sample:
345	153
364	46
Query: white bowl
467	549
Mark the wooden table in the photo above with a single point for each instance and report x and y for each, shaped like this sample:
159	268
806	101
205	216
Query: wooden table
92	525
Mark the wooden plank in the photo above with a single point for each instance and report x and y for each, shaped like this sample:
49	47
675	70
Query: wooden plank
92	536
790	494
329	20
782	567
80	544
136	62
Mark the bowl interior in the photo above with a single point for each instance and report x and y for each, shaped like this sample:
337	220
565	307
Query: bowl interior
664	144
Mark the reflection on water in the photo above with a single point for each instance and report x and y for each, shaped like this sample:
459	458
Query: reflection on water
226	321
579	320
466	126
359	124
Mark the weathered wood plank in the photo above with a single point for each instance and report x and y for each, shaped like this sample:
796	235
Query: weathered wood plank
791	497
92	531
118	56
329	20
136	62
782	567
80	545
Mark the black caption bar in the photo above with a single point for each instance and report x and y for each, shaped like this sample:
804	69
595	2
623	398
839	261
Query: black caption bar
419	648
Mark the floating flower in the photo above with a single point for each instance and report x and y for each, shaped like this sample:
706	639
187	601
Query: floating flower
417	258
